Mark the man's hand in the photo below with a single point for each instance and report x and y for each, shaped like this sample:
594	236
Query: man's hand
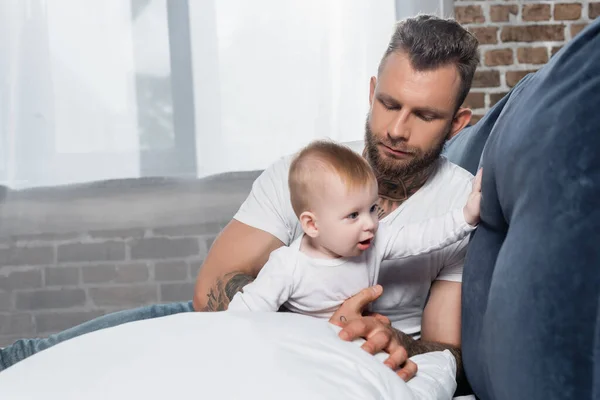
353	308
375	329
380	336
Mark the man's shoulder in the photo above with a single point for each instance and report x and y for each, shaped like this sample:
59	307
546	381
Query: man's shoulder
453	172
450	179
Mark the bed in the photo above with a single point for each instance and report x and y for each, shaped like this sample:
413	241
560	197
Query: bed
221	355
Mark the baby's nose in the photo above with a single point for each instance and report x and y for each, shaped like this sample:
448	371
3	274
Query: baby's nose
369	225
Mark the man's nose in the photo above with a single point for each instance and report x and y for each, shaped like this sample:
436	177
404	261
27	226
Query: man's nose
399	127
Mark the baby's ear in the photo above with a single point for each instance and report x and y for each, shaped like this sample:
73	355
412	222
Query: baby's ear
309	224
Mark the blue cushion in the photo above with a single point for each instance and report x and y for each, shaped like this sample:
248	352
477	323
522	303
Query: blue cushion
466	147
531	283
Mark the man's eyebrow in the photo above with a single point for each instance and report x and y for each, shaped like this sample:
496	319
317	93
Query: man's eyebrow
430	111
389	100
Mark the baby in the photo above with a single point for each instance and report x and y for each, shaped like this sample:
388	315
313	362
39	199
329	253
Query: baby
334	194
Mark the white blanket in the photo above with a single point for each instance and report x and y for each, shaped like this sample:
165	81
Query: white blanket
220	356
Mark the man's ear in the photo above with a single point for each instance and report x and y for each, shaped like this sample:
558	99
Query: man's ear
309	224
461	119
373	84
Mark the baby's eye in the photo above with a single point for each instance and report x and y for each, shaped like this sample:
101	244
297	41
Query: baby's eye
354	215
374	208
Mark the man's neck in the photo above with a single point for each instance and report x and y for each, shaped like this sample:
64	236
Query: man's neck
393	191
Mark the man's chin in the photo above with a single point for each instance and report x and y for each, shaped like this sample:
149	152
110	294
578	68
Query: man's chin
396	161
392	165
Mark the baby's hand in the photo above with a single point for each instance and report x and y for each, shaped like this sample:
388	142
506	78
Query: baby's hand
473	206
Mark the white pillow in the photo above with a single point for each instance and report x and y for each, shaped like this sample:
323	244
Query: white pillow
220	356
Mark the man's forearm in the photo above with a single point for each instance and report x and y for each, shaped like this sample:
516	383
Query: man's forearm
223	289
414	347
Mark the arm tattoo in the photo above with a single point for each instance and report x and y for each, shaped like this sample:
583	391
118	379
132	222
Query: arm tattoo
414	347
225	287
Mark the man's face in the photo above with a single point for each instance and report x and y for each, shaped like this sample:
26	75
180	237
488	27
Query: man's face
411	116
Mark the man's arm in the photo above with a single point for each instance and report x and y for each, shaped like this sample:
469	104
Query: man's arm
233	261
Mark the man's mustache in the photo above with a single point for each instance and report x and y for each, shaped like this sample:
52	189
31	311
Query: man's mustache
399	145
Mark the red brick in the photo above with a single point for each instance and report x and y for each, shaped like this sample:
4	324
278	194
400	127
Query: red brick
513	77
555	50
536	12
532	55
496	97
533	33
502	13
469	14
594	10
499	57
474	100
485	79
576	28
486	35
567	12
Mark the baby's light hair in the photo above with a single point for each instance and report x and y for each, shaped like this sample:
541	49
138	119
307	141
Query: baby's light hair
308	171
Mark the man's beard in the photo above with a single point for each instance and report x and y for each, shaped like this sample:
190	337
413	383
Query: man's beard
399	169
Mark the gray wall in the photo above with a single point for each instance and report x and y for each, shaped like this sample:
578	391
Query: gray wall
52	282
110	246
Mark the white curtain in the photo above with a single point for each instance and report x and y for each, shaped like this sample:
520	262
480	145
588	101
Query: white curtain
271	75
267	76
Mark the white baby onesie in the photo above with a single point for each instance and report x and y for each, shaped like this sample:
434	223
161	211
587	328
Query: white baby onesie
317	287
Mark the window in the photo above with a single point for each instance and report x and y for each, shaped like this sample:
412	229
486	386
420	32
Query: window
106	89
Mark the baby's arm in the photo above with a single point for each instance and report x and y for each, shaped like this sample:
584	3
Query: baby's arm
272	287
424	237
435	233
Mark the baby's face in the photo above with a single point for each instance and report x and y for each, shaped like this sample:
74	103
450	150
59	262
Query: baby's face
347	220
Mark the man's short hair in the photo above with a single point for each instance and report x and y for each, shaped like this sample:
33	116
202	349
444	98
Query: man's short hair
432	42
308	172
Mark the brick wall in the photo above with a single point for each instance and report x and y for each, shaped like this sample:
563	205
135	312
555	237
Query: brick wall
51	282
517	37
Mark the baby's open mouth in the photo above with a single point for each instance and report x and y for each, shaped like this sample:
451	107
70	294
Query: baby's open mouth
364	244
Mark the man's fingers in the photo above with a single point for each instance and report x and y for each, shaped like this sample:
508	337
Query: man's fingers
339	320
354	330
377	342
363	298
398	356
408	371
381	318
353	307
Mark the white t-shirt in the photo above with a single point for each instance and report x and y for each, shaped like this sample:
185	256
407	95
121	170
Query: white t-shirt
406	282
317	287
